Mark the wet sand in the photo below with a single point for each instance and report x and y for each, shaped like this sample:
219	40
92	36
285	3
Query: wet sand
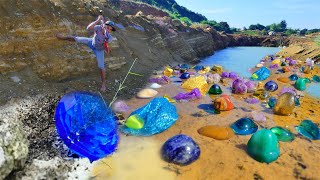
139	157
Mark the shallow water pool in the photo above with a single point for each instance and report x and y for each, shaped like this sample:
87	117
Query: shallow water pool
239	59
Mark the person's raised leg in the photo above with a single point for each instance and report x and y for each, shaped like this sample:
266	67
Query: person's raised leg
62	37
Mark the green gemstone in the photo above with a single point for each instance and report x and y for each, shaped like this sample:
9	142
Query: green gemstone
282	134
283	64
263	146
301	83
308	129
215	89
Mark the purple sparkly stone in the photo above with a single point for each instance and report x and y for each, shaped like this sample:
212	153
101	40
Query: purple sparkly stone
251	86
286	89
239	87
252	100
274	66
271	86
162	80
181	150
194	94
233	75
225	75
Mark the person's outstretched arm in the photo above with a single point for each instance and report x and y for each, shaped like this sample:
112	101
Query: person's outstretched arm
91	25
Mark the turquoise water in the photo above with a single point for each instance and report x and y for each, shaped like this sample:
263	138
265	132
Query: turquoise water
239	59
314	89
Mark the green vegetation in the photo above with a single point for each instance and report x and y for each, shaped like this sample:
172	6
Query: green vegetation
189	17
317	40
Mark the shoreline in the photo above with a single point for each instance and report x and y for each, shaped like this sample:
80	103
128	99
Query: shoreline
227	159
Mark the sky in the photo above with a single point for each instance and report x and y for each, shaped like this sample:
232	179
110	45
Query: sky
239	13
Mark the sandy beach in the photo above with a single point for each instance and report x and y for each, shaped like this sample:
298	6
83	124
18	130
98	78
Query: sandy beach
220	159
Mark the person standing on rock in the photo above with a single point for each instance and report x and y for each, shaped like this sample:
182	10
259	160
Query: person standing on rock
98	43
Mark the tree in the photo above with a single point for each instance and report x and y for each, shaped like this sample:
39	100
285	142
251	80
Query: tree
283	25
303	32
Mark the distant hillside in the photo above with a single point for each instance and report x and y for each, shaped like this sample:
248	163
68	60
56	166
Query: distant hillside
175	9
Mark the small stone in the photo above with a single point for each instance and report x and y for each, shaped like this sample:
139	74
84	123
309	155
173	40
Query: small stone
271	86
309	130
301	84
181	150
135	122
244	126
261	94
316	78
223	103
215	90
282	134
272	102
147	93
285	104
185	76
293	77
283	79
263	146
216	132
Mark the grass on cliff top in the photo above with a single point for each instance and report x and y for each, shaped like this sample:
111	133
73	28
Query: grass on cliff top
251	32
317	40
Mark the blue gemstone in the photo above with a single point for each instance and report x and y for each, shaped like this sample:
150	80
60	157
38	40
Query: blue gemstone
158	115
271	86
180	149
293	77
198	67
86	125
309	130
272	102
184	66
185	76
244	126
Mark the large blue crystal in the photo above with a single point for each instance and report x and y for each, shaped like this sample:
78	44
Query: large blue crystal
180	149
158	115
86	125
244	126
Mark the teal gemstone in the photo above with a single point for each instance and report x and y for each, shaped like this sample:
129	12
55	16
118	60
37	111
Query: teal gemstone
244	126
272	102
215	89
283	64
296	101
263	146
316	78
293	77
301	83
282	134
309	130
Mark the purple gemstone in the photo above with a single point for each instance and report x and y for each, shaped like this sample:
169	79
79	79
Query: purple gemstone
251	86
225	75
239	87
274	66
252	100
271	86
233	75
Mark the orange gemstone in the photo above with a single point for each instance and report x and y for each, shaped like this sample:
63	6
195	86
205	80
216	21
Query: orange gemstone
216	132
283	79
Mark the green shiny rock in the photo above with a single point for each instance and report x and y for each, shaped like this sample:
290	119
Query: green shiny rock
301	84
263	146
283	64
282	134
309	130
215	89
